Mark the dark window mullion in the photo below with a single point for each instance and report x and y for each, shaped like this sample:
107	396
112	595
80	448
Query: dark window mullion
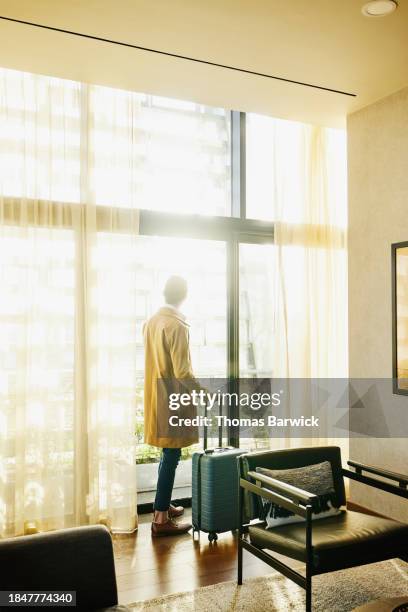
238	210
233	332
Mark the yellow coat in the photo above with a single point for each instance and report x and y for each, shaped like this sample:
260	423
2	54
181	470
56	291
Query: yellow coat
167	355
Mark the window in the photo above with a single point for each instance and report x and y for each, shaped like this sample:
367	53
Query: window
159	154
259	167
183	166
203	264
256	321
144	151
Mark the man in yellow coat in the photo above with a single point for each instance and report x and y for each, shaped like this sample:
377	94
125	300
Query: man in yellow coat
167	356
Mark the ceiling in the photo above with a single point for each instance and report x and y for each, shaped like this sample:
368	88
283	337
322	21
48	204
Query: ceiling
322	42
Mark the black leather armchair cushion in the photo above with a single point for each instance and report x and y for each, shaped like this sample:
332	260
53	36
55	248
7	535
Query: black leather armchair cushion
78	559
291	458
346	540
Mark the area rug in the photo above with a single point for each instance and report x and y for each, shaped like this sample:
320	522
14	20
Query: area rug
336	592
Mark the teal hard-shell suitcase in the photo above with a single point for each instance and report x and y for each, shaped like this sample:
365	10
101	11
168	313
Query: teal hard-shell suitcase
215	491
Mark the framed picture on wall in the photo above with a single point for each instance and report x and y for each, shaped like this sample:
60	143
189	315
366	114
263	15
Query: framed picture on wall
399	269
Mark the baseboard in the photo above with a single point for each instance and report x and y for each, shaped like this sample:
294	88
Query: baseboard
357	508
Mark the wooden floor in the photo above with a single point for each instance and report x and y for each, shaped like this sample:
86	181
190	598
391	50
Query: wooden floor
148	567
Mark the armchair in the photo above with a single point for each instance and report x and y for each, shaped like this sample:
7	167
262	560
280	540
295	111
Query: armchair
338	542
78	559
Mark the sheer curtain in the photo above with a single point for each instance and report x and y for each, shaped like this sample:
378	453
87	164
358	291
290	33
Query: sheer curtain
301	186
76	163
311	264
67	305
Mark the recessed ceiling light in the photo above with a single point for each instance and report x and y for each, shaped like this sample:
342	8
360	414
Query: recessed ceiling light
379	8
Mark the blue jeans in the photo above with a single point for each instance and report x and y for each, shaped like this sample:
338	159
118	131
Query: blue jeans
167	471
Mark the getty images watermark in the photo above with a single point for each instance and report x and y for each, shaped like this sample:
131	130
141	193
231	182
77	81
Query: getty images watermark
254	401
267	408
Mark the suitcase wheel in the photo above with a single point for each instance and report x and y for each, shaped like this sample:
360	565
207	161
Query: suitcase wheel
212	536
195	530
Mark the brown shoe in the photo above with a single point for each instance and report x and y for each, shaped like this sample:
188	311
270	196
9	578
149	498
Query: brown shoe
170	528
175	511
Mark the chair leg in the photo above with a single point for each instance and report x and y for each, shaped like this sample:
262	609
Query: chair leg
309	558
308	592
240	531
239	560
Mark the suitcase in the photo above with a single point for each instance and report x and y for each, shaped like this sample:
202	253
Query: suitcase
215	491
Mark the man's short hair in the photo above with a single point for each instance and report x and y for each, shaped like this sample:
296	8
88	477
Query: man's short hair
175	290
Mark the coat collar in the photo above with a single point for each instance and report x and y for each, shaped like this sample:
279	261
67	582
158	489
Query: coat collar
171	311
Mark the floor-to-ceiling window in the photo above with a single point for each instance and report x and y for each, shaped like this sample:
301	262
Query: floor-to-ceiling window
203	181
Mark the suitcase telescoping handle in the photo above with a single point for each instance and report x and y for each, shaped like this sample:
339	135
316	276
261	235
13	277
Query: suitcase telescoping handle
205	433
205	438
220	448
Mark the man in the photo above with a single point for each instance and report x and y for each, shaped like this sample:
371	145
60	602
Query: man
167	356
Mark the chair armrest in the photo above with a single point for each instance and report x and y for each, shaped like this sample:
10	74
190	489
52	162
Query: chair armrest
362	467
293	493
280	493
78	559
400	489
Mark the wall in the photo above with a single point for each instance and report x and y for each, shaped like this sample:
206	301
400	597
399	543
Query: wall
378	216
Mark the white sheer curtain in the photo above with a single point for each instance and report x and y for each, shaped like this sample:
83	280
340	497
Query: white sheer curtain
76	163
310	238
67	305
300	184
